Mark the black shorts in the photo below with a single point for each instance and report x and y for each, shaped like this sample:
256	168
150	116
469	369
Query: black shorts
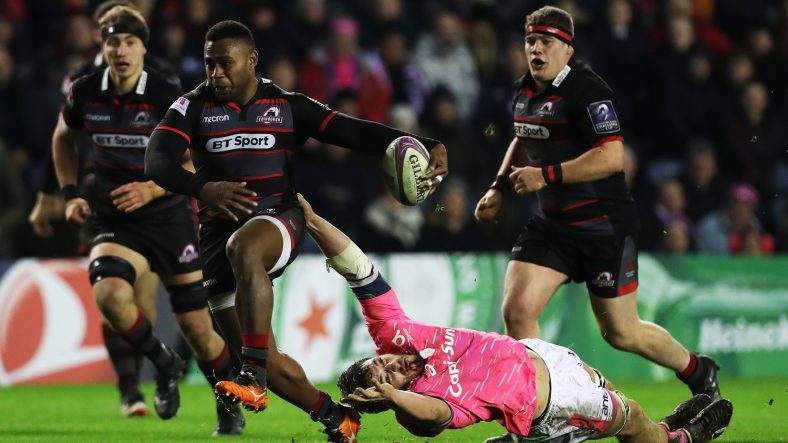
219	277
169	240
607	264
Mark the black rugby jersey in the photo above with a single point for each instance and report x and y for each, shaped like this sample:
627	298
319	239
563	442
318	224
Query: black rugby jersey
119	128
254	143
573	114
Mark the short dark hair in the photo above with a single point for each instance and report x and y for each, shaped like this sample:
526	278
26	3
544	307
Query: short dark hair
553	17
230	29
122	19
104	7
357	375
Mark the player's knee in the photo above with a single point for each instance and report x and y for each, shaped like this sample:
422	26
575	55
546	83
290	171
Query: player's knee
622	340
241	255
515	312
113	282
188	297
109	295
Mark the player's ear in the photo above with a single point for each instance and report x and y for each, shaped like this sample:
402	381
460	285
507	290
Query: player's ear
254	57
570	50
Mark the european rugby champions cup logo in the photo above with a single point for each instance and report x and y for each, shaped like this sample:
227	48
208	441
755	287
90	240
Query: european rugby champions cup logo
50	328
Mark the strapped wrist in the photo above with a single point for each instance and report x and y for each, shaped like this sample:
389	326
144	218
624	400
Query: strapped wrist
553	174
501	184
70	192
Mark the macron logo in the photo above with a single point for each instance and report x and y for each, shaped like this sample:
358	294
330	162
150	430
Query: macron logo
216	118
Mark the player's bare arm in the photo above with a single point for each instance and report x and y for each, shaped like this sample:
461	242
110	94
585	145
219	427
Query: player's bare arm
490	204
421	411
331	240
595	164
64	155
48	208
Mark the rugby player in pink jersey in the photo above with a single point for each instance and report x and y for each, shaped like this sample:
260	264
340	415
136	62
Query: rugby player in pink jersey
437	378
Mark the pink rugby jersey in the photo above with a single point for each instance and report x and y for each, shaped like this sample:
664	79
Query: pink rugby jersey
482	376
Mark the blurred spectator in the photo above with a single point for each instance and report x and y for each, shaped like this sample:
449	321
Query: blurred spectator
272	35
750	241
382	16
620	35
771	67
753	140
738	73
677	238
444	59
13	202
690	102
282	72
441	121
704	186
181	53
310	27
717	232
390	226
339	65
704	29
337	181
404	77
668	210
450	226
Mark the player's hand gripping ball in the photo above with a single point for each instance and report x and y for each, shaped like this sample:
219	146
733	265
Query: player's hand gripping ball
404	163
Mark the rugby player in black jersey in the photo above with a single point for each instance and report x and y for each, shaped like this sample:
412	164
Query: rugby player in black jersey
566	123
49	209
137	227
242	132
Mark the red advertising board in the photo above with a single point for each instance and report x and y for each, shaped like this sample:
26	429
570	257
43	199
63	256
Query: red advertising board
50	328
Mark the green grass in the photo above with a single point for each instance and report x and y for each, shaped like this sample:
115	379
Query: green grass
90	413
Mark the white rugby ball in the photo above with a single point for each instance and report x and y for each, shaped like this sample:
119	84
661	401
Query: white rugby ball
405	162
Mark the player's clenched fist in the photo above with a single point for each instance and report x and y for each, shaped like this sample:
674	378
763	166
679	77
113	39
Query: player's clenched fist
488	206
77	211
229	197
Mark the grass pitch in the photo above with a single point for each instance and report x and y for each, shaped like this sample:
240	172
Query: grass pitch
90	413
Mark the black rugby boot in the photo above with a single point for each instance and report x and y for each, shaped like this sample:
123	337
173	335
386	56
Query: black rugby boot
230	420
686	411
705	378
167	398
711	422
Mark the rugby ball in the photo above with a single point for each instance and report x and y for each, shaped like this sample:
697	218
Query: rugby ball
404	163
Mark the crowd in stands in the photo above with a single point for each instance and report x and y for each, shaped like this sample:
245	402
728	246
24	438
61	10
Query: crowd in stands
702	86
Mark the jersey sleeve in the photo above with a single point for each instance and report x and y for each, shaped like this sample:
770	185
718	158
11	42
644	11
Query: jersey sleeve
595	111
182	117
71	113
460	418
329	126
167	144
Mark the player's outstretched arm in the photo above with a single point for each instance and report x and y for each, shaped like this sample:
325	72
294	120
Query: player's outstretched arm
328	237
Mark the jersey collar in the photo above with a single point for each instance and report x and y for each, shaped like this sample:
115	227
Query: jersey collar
107	87
557	81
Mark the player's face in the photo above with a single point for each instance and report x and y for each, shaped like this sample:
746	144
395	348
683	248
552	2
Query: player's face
230	68
398	370
125	54
546	56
